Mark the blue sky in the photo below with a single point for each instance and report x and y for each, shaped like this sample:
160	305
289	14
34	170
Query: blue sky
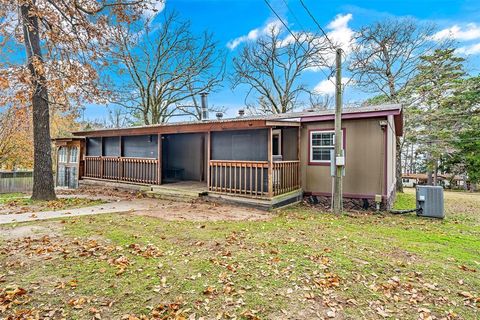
237	19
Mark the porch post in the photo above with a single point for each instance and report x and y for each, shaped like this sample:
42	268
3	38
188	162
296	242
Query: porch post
270	163
208	159
120	164
101	158
299	174
159	159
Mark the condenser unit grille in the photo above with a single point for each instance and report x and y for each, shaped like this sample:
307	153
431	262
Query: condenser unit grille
430	201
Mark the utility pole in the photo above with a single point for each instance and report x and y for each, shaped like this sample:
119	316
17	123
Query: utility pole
339	159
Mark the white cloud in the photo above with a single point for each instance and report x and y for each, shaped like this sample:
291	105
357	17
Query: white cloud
157	7
327	87
470	32
254	34
340	33
470	50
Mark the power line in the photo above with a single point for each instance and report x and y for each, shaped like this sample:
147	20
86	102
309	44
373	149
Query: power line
332	69
318	24
294	15
295	37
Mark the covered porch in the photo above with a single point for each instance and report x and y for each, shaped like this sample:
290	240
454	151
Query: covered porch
255	159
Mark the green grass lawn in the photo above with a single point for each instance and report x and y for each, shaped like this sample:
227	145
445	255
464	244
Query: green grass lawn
5	197
302	264
405	201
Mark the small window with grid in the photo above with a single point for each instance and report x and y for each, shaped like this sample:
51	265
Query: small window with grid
73	154
62	155
321	144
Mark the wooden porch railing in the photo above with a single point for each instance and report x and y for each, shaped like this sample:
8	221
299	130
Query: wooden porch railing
251	177
285	176
141	170
239	177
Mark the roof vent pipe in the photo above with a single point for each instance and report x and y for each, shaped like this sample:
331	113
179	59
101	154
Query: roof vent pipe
204	114
241	113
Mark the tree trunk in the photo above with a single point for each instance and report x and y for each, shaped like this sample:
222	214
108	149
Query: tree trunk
43	185
398	170
411	161
435	174
429	176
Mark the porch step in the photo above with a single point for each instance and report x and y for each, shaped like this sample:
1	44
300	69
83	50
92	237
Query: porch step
259	203
173	194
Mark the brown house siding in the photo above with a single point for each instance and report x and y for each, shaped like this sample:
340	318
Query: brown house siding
365	149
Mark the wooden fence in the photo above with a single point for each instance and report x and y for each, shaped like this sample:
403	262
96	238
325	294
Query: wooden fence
141	170
251	177
285	176
19	181
239	177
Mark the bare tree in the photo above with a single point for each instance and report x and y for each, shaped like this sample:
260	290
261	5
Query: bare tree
384	60
167	67
271	68
321	101
117	118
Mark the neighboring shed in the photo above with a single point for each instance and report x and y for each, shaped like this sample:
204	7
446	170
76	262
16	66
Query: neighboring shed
69	163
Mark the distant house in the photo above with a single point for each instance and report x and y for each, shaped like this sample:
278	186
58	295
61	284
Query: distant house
445	180
268	160
411	180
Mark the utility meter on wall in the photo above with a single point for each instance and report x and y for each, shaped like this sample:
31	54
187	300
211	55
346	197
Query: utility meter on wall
340	161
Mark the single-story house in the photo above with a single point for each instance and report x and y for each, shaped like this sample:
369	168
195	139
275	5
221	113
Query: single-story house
271	159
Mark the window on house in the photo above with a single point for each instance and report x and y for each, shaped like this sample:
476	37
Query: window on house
62	155
73	154
321	143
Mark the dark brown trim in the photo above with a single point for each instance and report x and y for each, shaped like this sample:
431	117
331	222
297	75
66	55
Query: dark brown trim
208	159
173	128
271	123
324	164
159	158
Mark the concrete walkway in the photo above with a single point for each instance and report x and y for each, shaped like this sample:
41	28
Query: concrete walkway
112	207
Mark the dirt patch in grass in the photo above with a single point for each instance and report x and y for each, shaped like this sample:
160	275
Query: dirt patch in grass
29	230
102	192
203	211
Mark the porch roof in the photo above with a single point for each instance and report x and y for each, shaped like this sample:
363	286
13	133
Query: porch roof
254	122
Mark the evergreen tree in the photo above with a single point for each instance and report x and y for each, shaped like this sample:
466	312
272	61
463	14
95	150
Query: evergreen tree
440	75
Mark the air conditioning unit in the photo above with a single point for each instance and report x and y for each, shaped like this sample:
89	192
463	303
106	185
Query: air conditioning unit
430	202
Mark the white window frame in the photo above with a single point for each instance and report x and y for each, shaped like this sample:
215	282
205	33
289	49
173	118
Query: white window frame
279	134
75	160
62	155
321	147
